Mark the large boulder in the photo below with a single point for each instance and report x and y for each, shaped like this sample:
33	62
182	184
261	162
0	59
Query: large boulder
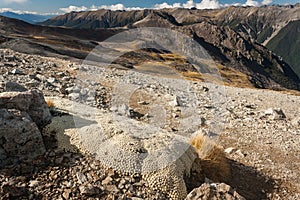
31	102
20	138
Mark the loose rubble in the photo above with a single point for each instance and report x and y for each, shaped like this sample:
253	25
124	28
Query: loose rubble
259	138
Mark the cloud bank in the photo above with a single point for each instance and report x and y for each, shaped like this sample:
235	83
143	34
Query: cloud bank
204	4
118	6
16	11
73	8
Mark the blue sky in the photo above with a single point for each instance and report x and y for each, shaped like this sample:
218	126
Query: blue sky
61	6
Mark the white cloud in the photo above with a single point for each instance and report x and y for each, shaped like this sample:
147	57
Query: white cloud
189	4
14	1
118	6
16	11
93	8
208	4
73	8
266	2
251	3
166	5
2	10
204	4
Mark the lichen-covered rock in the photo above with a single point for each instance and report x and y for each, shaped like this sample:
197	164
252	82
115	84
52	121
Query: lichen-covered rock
214	191
163	159
32	102
20	138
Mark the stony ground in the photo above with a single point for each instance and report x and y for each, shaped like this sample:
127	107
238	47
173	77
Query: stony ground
259	130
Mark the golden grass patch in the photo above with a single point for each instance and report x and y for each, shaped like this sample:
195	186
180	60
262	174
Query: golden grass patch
213	160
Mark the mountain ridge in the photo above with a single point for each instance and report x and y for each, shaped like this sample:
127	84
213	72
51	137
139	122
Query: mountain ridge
260	24
27	17
230	49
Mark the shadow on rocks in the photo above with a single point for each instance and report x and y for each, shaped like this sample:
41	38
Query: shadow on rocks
249	182
24	179
246	180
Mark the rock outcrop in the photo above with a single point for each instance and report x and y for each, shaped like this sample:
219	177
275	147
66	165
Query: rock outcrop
31	102
22	116
20	138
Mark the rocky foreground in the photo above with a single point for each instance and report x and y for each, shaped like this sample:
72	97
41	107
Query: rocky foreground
258	129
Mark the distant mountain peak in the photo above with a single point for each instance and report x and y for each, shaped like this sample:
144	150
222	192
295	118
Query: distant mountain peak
27	17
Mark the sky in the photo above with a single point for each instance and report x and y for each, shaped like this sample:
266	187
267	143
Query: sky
64	6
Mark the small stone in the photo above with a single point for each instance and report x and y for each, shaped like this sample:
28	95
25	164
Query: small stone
17	72
275	113
66	194
230	150
239	153
34	183
107	180
88	189
81	177
74	96
51	80
136	198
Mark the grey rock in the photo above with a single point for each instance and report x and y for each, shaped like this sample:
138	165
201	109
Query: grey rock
17	72
51	80
21	137
74	96
14	87
41	77
275	113
32	102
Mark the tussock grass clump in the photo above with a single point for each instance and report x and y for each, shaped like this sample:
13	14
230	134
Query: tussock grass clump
213	161
50	103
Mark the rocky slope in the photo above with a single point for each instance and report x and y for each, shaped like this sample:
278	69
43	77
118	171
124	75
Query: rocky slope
260	135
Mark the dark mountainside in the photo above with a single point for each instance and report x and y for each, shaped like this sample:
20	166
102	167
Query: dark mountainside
287	44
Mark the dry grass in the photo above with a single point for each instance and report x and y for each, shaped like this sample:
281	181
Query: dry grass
173	57
213	160
232	77
50	103
192	76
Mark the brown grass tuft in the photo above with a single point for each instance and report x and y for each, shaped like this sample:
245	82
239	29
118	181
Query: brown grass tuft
50	103
213	160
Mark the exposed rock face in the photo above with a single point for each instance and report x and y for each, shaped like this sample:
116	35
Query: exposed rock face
22	114
32	102
214	191
20	138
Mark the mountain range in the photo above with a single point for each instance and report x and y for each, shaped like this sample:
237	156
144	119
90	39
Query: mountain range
30	18
261	24
245	42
